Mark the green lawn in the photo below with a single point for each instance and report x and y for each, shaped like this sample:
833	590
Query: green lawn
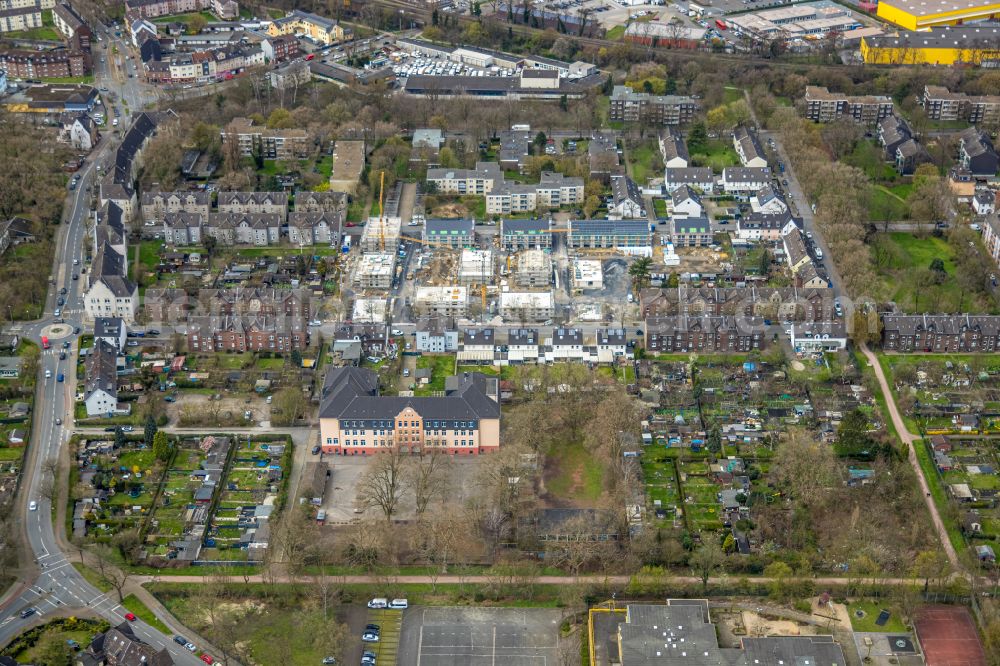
870	612
730	94
87	80
92	577
886	204
573	474
186	18
149	255
323	251
720	155
442	367
615	33
642	159
43	649
141	611
660	207
9	453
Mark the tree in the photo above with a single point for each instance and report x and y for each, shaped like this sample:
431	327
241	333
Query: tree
426	476
161	446
930	565
196	23
119	438
110	570
852	436
288	406
779	572
705	561
383	483
639	272
698	139
150	431
540	141
590	205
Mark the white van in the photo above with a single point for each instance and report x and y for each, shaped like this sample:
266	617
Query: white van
399	604
378	603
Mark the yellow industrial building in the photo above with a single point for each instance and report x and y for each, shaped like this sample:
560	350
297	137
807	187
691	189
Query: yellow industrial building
948	45
924	14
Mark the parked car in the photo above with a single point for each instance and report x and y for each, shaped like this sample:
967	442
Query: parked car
180	640
127	428
368	658
371	633
399	604
27	612
316	450
32	505
191	647
130	617
207	658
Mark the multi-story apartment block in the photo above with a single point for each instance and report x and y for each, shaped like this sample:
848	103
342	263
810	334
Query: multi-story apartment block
436	335
270	144
553	190
955	333
275	203
452	233
280	48
317	28
22	4
525	234
183	229
480	180
257	333
44	64
314	228
705	333
258	229
527	306
321	202
149	9
629	106
784	303
156	205
823	106
451	302
942	104
110	293
72	27
355	420
16	19
534	268
991	237
626	236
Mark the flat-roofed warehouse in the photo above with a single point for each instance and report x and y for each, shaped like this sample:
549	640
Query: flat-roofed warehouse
946	45
923	14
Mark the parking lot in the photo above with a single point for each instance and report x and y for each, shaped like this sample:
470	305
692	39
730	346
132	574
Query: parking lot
480	637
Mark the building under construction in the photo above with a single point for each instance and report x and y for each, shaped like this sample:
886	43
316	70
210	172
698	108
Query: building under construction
369	311
444	301
533	306
475	267
534	269
375	271
587	275
380	234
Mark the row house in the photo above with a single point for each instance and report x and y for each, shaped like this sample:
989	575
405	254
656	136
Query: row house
744	181
216	64
684	333
156	205
525	234
796	252
258	229
178	305
674	150
627	236
940	333
523	345
748	147
768	227
280	48
700	178
451	233
780	303
278	334
224	9
253	202
321	202
314	228
110	292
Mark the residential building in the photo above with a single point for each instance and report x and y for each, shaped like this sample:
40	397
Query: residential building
587	275
958	333
290	76
183	229
111	331
626	199
706	333
427	145
552	191
768	201
72	27
436	335
513	154
156	205
766	226
612	345
748	148
348	164
452	302
451	233
811	277
119	646
627	236
100	390
110	293
685	203
566	344
356	420
17	19
272	203
149	9
270	144
941	104
259	229
533	269
824	336
321	202
795	250
480	180
691	232
976	153
375	271
475	267
745	180
700	178
44	64
280	48
522	346
525	234
318	29
899	146
822	106
277	334
984	201
527	306
317	228
630	106
81	132
674	150
603	156
478	345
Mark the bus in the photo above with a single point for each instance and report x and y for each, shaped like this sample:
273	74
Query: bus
45	342
720	24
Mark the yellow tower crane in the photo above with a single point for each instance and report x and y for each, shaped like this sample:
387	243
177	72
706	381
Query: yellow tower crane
381	213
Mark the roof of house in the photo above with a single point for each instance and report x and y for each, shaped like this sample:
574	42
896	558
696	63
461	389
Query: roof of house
522	336
672	146
795	246
478	336
521	226
352	393
566	337
684	193
107	327
609	227
684	175
449	227
746	174
692	225
611	336
101	367
624	189
749	144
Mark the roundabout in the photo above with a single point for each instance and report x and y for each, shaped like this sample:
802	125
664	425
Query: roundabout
57	331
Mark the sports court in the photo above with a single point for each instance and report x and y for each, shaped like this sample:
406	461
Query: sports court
948	636
480	637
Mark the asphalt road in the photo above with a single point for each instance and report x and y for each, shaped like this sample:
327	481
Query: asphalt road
56	587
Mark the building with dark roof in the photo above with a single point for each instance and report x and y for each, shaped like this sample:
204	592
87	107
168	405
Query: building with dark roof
525	234
626	236
110	293
748	147
977	154
356	420
531	84
100	389
706	333
119	646
627	201
630	106
700	178
941	333
452	233
72	27
674	150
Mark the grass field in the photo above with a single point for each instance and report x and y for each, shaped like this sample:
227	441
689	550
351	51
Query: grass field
616	32
886	204
573	475
869	612
720	154
442	367
141	611
185	18
642	159
730	94
903	261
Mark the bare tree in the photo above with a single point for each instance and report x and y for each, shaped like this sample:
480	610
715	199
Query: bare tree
384	482
111	570
706	561
426	475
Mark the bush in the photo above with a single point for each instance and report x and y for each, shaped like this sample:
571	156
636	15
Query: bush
803	606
